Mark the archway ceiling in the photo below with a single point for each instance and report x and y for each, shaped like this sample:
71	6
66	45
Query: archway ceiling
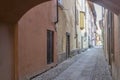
113	5
12	10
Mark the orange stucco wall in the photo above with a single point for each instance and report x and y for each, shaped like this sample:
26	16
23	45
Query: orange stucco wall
6	52
32	40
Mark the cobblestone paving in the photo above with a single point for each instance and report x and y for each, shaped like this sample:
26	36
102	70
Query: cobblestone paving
101	71
90	65
51	74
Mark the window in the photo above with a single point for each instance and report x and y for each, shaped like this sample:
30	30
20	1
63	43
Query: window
50	43
60	2
67	45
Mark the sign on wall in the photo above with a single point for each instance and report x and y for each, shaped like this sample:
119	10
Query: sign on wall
82	20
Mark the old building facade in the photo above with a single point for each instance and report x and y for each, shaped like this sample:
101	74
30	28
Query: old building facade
111	42
31	42
66	30
36	41
75	28
28	47
91	26
111	34
87	30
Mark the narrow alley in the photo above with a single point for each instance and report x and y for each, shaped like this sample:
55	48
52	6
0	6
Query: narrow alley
59	39
91	65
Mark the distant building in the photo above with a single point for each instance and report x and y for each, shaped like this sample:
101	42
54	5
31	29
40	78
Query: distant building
88	32
111	32
91	24
66	30
75	28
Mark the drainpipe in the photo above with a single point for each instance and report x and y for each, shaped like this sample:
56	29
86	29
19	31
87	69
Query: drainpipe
76	35
56	15
57	11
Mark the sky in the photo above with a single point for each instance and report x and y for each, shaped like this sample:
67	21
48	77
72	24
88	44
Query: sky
99	15
98	11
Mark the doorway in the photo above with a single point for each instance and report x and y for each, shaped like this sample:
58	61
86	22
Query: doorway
67	45
50	47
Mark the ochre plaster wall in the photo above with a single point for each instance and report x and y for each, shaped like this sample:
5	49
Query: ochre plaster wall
32	40
6	51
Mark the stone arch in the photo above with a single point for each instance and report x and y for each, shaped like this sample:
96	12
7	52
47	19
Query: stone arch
112	5
12	10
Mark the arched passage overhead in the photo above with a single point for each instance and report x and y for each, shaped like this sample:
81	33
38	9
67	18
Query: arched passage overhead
12	10
113	5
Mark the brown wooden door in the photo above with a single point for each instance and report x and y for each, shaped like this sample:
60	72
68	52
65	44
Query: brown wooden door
67	45
50	43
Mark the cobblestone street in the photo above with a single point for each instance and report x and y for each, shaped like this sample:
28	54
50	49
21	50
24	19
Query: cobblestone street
90	65
59	39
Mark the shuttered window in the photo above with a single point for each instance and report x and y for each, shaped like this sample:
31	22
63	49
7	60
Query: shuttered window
50	43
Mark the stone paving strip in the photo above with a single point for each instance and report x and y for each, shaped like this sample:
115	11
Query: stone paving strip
101	70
